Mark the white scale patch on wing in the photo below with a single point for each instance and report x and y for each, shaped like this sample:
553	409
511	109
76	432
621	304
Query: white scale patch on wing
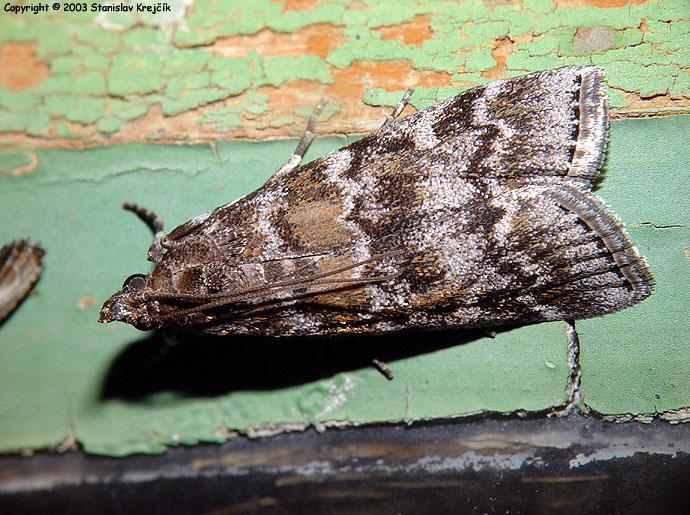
267	205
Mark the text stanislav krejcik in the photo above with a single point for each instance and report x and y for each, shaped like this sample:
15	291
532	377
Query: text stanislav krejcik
139	7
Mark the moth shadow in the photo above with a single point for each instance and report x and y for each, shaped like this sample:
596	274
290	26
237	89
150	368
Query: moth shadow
208	366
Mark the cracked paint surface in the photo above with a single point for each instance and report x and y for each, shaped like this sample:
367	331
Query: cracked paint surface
57	359
73	79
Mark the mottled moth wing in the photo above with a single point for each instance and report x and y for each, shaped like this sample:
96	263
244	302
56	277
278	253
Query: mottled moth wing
20	266
474	211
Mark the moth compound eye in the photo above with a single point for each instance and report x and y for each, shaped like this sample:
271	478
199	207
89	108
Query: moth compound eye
134	283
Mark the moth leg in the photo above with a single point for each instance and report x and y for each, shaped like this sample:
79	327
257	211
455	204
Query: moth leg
304	142
390	118
383	368
155	222
573	387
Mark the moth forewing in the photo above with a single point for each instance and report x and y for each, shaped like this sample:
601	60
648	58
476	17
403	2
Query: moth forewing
474	211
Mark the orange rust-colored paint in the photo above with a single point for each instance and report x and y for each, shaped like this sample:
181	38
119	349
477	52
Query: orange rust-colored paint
414	32
297	5
391	75
19	67
349	86
502	49
316	39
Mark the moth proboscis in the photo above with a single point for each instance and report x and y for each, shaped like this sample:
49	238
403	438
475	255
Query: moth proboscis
475	211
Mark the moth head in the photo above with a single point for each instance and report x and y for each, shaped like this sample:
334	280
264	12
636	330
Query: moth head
129	305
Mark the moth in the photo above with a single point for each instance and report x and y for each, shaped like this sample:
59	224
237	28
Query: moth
20	267
475	211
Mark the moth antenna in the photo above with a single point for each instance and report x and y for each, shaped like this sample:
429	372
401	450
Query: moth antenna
155	223
398	108
304	142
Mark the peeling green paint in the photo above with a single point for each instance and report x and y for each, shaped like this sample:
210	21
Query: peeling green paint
109	124
221	119
141	37
616	98
628	37
629	76
542	45
279	69
76	109
327	111
176	85
92	35
64	131
232	75
84	83
64	64
85	110
124	110
472	34
421	97
135	73
53	38
39	124
191	60
130	57
479	59
90	58
14	120
17	99
470	79
229	116
190	99
367	47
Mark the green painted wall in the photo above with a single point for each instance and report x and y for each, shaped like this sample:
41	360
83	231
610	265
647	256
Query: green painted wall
57	363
